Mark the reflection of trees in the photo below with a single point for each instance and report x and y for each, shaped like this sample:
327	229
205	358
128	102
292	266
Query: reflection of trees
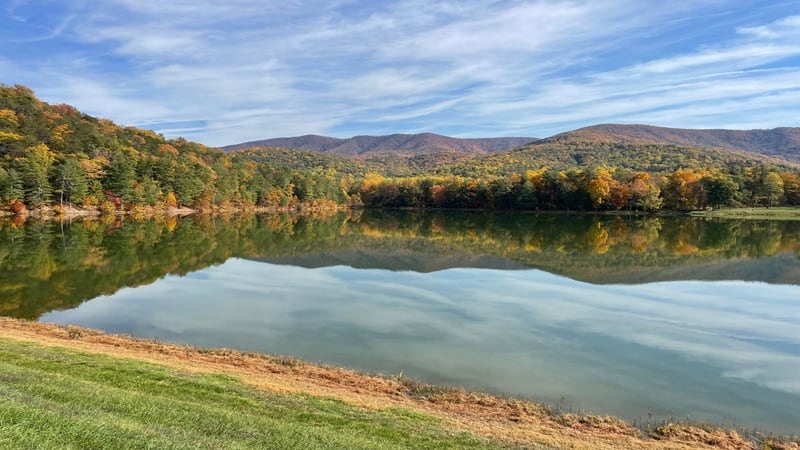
597	239
46	266
572	244
512	235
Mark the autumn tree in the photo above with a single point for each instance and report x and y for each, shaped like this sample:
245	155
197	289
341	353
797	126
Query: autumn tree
620	195
439	195
9	129
639	187
773	187
791	188
8	119
95	173
684	190
59	136
599	187
170	201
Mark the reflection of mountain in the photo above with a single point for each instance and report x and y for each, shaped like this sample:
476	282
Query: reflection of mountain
780	269
47	266
594	249
397	260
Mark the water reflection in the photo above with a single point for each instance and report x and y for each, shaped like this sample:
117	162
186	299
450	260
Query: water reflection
712	351
46	266
610	321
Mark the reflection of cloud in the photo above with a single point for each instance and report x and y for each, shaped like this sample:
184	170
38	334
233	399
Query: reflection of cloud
519	331
717	323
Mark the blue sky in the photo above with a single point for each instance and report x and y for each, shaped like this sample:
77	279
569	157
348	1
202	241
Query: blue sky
227	72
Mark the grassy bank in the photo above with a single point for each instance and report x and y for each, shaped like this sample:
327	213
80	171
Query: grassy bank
67	387
58	398
782	213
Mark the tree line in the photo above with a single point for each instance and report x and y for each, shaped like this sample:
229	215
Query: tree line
601	189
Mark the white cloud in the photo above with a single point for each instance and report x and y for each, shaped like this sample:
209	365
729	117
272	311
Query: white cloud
787	28
252	70
107	101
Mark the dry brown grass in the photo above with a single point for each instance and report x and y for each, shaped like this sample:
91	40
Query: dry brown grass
520	423
713	436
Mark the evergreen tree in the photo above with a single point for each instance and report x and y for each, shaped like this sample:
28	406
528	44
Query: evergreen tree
191	180
36	166
72	185
11	187
721	190
120	175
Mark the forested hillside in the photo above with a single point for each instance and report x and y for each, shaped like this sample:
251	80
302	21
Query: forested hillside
569	153
387	164
53	156
782	142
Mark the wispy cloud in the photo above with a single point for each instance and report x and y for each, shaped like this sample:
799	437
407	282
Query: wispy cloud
249	70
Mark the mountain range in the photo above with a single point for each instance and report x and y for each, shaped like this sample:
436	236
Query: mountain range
394	144
781	143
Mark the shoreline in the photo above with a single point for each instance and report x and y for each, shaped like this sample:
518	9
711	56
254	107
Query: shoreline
516	422
53	213
150	212
763	213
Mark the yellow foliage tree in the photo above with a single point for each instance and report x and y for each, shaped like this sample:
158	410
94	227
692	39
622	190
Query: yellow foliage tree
8	119
599	187
170	201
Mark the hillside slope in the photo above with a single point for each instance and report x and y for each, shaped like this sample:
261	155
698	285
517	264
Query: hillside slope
780	142
571	151
55	155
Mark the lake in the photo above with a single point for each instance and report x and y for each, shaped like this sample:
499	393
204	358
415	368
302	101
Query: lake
631	316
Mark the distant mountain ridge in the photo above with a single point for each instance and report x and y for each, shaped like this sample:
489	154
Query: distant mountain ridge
781	142
394	144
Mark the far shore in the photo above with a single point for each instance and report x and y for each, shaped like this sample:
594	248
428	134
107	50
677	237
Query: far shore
73	212
513	423
760	213
147	212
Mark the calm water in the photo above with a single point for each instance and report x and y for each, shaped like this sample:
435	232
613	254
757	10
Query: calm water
628	316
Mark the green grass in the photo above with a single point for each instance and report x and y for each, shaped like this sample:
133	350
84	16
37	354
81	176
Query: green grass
63	399
779	213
